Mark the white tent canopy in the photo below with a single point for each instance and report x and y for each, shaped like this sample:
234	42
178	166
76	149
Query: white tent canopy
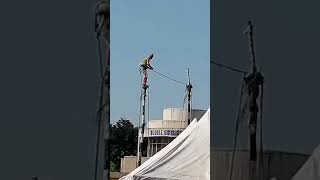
187	157
311	169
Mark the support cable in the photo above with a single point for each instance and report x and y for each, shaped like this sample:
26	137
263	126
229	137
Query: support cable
191	105
261	138
148	117
98	116
183	108
228	67
140	104
236	132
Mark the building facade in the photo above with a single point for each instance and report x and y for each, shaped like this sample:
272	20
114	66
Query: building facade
159	133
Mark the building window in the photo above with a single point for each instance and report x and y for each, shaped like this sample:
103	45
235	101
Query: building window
157	143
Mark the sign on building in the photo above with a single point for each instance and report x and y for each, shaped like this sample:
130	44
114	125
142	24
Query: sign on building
164	132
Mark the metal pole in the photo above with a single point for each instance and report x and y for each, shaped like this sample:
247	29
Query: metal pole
253	81
189	87
143	118
145	66
252	48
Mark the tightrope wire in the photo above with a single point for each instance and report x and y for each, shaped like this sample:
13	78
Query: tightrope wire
168	77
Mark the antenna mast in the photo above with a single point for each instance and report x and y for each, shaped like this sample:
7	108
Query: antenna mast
254	80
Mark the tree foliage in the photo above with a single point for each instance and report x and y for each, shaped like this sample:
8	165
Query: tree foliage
123	141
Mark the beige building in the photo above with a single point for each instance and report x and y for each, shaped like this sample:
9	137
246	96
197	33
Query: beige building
159	133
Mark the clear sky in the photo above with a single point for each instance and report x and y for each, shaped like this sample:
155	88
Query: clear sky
178	33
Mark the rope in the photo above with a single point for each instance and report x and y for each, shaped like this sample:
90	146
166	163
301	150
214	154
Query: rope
183	103
191	103
140	104
168	77
236	132
228	67
261	144
148	117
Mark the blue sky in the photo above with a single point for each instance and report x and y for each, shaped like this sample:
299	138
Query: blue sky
178	33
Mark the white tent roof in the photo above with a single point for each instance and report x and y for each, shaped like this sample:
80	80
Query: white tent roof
187	157
311	169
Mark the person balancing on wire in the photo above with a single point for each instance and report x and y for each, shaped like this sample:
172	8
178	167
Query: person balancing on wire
145	65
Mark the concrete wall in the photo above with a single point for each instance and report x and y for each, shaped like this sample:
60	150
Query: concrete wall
181	114
168	124
129	163
116	175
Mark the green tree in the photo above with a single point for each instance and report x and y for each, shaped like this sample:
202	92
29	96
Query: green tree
112	167
123	141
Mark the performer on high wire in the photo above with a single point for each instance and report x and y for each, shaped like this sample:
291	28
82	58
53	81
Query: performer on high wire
145	66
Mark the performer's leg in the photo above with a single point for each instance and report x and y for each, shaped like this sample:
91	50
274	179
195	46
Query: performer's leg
145	80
